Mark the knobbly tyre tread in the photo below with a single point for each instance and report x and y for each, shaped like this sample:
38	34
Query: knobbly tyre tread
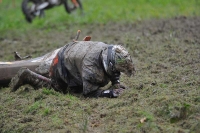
27	14
69	9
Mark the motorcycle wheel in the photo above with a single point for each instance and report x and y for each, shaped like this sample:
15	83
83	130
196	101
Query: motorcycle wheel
27	9
69	6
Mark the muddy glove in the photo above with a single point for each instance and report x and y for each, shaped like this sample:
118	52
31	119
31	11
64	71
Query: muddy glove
114	91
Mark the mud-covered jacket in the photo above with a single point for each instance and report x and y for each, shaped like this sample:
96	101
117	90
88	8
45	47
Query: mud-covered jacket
81	65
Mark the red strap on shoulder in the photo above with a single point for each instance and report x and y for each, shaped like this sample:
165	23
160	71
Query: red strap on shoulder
54	62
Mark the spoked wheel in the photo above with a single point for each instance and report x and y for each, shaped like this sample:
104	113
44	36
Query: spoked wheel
28	8
71	5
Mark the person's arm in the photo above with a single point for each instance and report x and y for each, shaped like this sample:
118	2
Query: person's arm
116	89
115	78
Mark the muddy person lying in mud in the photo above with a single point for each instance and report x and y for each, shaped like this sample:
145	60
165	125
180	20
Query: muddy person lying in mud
82	66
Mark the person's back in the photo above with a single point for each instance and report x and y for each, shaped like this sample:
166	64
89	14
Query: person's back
83	62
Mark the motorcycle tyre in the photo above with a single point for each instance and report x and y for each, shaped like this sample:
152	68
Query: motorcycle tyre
28	16
68	8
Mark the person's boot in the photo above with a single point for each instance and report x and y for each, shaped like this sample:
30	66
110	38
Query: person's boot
25	76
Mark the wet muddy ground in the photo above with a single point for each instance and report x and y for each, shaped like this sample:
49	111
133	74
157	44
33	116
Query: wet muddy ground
165	90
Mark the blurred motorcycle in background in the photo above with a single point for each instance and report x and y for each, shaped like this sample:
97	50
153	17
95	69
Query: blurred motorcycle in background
33	8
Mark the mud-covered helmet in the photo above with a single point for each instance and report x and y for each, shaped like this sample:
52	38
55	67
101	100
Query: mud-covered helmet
118	59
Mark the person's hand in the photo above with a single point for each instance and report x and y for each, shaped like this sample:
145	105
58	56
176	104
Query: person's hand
117	89
114	91
117	92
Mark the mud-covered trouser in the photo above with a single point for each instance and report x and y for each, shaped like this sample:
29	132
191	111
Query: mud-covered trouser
57	82
26	76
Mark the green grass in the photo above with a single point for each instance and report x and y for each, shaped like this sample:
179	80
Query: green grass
34	107
103	11
46	111
50	92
